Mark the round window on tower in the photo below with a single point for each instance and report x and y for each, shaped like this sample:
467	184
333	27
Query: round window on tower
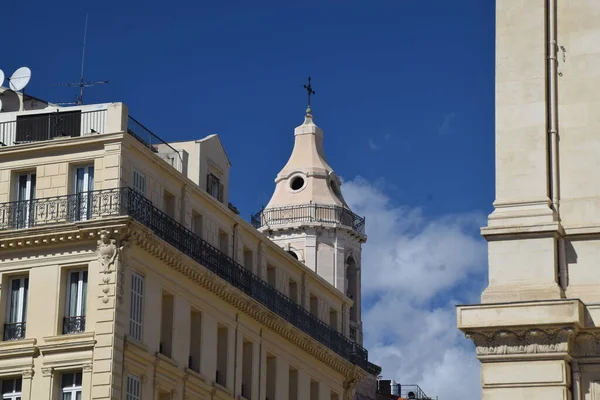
297	183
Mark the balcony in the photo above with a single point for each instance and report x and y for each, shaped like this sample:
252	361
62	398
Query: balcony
14	331
308	213
30	128
76	122
127	202
73	325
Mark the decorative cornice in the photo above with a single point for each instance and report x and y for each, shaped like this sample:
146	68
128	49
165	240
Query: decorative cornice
143	238
522	341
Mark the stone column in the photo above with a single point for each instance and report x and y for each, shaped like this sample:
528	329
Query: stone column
304	296
303	385
282	379
26	379
86	382
310	249
345	320
46	388
524	363
576	381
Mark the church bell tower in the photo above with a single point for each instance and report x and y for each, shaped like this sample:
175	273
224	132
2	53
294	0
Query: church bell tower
308	217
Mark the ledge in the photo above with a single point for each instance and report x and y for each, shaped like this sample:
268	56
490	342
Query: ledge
18	348
531	313
64	343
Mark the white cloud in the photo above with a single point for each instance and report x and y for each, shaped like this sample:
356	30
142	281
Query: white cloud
445	127
373	145
414	271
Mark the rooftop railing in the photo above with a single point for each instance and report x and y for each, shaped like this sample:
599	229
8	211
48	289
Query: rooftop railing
146	137
29	128
308	213
125	201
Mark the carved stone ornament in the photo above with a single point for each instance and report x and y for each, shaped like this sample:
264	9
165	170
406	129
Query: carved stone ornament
587	344
350	388
27	373
107	250
532	341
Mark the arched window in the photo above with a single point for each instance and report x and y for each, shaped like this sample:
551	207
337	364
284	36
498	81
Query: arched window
352	286
293	254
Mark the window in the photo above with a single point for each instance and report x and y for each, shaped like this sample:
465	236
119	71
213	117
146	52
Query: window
71	386
297	183
166	324
25	212
75	302
195	340
271	376
214	187
197	224
247	367
222	350
139	182
14	328
272	275
293	290
134	388
169	204
314	390
248	258
293	385
11	389
223	242
137	306
84	183
333	318
314	305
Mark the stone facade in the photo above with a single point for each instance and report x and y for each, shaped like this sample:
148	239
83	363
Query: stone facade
127	277
308	217
535	329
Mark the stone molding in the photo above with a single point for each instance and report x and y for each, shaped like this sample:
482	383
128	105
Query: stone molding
522	341
587	344
155	246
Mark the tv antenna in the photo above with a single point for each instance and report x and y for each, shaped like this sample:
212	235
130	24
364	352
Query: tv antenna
82	83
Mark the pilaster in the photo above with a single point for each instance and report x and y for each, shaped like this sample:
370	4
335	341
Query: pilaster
310	249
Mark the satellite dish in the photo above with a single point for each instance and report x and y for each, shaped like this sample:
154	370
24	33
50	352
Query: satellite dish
20	79
1	77
411	395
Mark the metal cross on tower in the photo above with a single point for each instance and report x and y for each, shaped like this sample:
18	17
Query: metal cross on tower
310	90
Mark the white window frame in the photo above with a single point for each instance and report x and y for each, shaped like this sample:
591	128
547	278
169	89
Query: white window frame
21	300
134	387
136	315
139	182
80	304
30	188
14	395
71	390
84	200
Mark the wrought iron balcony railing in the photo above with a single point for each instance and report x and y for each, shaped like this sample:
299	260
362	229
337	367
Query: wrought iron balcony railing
73	324
308	213
126	201
14	331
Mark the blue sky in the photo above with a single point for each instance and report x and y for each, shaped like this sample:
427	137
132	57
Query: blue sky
413	78
405	96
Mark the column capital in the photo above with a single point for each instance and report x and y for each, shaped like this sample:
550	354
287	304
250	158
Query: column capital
27	373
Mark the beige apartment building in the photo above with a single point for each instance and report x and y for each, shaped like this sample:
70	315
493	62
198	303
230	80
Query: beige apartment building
126	273
535	331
